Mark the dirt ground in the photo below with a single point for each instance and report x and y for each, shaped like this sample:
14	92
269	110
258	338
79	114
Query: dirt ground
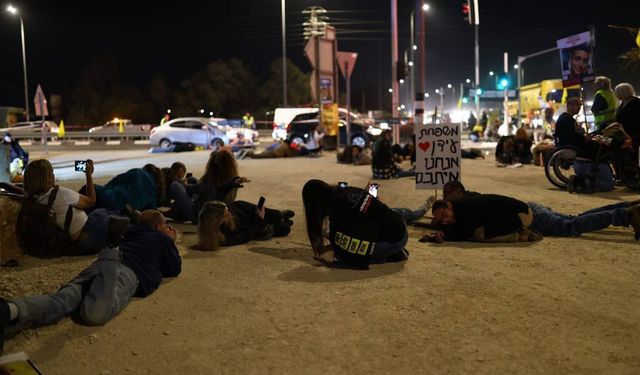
563	305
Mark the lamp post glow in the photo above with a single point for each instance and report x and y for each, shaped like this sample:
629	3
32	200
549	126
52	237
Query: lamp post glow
14	11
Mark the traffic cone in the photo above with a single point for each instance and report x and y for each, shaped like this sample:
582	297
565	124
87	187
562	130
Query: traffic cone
61	129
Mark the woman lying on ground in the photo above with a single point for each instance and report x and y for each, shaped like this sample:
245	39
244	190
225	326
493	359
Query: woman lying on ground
239	222
362	230
88	233
140	188
220	182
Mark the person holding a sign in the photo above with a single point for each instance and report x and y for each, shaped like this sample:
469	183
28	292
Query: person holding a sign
498	218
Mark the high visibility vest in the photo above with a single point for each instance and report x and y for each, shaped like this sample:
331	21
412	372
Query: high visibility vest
608	114
248	121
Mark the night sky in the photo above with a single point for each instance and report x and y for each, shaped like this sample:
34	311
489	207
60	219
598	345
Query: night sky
147	38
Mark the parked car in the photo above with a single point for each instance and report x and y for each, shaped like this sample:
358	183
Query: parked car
235	127
297	124
30	128
197	130
113	126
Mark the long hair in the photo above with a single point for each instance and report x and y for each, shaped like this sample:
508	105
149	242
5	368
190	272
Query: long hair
210	218
38	177
315	194
158	177
221	168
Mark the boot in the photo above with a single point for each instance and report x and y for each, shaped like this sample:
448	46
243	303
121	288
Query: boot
116	227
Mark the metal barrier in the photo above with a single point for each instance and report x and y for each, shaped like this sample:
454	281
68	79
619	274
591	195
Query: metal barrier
84	138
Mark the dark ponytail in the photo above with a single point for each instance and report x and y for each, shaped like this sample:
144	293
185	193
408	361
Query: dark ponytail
315	194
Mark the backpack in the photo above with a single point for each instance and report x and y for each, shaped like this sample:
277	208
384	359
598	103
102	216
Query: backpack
37	231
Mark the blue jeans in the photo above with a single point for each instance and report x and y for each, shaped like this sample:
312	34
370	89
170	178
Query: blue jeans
410	216
94	237
386	249
403	173
550	223
97	294
604	180
182	207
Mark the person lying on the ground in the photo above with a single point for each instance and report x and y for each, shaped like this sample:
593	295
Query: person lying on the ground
141	188
87	232
239	222
362	230
281	149
497	218
219	183
130	266
472	153
454	190
177	173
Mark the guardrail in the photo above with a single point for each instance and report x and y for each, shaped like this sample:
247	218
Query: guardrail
84	138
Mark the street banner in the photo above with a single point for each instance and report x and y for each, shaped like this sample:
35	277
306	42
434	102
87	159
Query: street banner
576	59
437	155
40	102
330	118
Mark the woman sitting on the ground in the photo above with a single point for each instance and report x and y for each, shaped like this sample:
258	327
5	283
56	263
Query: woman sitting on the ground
220	182
141	188
239	222
88	233
362	230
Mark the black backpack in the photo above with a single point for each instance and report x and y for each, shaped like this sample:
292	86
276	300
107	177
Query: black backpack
37	231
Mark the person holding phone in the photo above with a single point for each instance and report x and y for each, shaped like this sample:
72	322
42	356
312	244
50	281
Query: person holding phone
362	229
239	222
88	232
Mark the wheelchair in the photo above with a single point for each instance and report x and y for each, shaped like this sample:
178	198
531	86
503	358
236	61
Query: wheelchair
559	168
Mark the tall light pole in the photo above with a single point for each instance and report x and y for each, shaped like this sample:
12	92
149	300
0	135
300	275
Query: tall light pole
284	55
14	11
395	95
476	23
418	90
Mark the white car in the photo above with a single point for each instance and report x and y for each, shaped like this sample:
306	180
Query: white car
113	126
30	128
197	130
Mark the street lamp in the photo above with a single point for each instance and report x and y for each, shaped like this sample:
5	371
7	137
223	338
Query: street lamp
14	11
491	73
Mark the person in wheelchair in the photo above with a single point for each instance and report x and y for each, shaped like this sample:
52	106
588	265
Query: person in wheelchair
593	161
568	133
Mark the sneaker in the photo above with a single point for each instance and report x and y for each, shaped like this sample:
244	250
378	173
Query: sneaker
116	227
428	203
634	220
5	316
288	214
289	222
571	184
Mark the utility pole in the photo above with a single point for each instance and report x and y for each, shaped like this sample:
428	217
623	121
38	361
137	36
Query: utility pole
419	93
476	23
284	55
394	59
507	123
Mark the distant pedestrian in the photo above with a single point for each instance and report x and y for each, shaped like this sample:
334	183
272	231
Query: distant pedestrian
248	121
165	118
604	103
628	113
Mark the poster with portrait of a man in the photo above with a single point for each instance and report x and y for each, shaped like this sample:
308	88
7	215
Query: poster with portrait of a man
576	59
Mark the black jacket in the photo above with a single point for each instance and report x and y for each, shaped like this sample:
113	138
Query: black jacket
151	255
567	132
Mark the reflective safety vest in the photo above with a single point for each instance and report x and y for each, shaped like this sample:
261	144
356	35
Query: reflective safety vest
609	114
248	121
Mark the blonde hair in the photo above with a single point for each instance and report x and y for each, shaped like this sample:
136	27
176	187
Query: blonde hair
603	83
624	91
38	177
210	217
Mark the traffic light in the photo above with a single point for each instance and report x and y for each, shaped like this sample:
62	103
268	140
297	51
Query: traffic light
478	92
503	82
466	11
401	70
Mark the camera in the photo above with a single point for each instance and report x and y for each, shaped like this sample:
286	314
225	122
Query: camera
373	189
81	165
343	184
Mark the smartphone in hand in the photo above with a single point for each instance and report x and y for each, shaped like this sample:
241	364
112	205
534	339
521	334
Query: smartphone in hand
343	184
373	189
81	165
260	203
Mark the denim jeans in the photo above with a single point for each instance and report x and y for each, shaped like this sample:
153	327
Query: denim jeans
182	207
410	216
403	173
550	223
94	236
385	249
97	294
604	180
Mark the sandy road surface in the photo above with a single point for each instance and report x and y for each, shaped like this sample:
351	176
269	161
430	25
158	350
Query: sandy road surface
557	306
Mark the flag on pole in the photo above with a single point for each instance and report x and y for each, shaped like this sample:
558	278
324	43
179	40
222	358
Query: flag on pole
61	129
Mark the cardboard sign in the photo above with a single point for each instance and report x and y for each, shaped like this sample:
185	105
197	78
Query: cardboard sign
437	155
330	118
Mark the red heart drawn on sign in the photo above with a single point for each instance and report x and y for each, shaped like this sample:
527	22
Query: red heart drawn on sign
424	145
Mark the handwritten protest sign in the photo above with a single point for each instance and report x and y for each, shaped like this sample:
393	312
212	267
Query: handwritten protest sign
437	155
